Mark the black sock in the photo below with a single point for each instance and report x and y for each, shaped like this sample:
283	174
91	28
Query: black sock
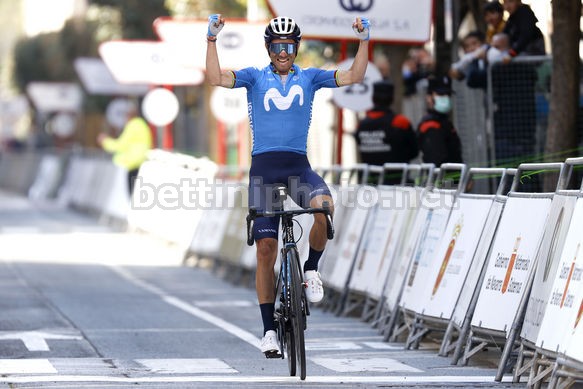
313	258
267	311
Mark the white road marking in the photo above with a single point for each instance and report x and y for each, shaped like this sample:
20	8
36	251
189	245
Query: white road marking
379	365
232	303
36	340
26	366
188	308
187	366
382	346
255	379
331	346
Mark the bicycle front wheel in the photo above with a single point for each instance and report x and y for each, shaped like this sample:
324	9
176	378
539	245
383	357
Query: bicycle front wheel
297	310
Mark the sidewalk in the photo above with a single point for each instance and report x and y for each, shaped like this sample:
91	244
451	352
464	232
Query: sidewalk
47	232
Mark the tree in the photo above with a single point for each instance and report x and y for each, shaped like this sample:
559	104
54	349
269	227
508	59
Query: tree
564	102
137	16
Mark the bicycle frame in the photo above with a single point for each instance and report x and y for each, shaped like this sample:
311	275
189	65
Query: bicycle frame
293	308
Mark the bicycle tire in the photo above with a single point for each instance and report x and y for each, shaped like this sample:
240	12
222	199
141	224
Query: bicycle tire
297	312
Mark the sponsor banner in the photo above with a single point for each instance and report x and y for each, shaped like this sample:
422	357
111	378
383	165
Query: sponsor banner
239	44
152	63
403	255
563	312
391	20
351	239
470	284
455	254
510	262
547	261
425	253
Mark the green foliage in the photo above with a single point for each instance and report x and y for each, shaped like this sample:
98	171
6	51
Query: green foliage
137	16
49	57
203	8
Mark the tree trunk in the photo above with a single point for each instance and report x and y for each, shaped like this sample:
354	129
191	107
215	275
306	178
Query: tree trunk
561	139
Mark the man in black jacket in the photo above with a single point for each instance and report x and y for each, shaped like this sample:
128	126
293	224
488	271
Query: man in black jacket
438	138
383	136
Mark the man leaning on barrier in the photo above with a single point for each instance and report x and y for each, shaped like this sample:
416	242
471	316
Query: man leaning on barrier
280	99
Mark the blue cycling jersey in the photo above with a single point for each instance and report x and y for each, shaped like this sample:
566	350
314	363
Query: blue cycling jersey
280	113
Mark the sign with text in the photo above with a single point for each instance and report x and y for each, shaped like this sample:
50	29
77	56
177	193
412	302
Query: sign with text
357	97
510	262
564	305
391	20
153	63
239	44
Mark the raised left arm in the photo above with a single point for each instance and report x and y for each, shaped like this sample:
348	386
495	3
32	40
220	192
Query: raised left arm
355	74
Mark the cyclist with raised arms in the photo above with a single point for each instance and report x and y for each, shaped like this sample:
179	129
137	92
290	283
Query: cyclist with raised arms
280	99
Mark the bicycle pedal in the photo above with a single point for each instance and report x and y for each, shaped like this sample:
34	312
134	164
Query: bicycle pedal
272	354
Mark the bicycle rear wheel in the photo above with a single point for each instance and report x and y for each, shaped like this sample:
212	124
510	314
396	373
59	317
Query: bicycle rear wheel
297	310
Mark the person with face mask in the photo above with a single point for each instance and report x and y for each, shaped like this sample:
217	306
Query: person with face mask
437	137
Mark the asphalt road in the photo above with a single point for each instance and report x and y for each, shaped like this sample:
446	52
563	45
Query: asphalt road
83	305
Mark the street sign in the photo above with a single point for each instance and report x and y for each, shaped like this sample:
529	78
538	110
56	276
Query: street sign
357	97
229	105
153	63
98	80
55	96
240	44
160	107
402	21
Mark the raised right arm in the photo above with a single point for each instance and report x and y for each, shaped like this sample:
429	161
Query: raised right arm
214	74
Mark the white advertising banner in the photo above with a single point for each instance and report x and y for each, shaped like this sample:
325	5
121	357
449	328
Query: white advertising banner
547	263
352	236
403	210
574	349
455	255
216	217
564	303
376	253
239	44
470	284
510	262
400	266
153	63
425	258
359	277
391	20
169	201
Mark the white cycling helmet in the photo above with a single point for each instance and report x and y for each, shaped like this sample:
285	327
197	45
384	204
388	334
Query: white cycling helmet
282	27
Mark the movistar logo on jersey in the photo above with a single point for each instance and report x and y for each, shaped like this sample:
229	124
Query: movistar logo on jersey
283	103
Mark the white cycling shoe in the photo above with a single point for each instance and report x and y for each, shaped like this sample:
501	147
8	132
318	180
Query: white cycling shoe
270	345
314	289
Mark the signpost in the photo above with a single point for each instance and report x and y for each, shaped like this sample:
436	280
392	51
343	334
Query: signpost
98	80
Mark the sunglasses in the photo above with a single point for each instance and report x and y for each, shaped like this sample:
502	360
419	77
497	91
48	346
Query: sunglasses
289	48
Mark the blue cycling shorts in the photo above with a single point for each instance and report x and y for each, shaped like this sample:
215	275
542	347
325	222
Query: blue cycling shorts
272	169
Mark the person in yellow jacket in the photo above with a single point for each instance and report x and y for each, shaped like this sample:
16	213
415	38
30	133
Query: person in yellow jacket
131	147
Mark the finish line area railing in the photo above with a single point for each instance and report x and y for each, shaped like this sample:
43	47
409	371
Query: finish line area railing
439	257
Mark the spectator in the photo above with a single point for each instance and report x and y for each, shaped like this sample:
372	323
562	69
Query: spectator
494	17
131	146
383	136
437	136
525	37
474	54
498	49
418	66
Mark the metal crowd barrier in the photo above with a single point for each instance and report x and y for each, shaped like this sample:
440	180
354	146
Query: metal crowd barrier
427	253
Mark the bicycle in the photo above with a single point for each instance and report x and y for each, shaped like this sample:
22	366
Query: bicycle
292	308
